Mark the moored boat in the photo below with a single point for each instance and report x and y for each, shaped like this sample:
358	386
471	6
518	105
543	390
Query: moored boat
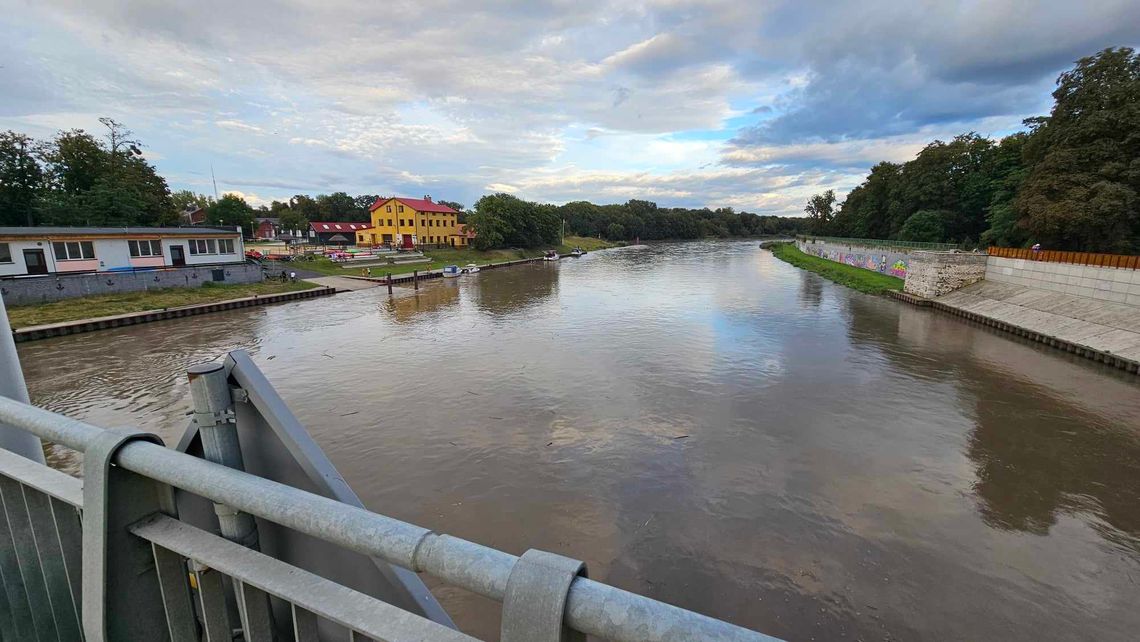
550	255
470	269
576	252
450	271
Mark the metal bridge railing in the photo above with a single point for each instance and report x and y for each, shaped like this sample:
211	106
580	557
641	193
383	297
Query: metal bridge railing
910	245
130	569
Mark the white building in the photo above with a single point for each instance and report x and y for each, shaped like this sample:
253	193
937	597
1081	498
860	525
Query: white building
65	250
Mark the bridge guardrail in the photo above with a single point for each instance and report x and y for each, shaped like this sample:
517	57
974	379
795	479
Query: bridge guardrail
133	544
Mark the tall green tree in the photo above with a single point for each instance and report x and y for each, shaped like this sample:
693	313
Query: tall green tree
820	209
231	210
1081	191
21	179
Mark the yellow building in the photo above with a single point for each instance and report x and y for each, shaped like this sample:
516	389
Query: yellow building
410	222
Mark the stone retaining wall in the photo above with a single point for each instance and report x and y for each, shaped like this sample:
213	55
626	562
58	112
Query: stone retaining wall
27	290
933	274
1118	285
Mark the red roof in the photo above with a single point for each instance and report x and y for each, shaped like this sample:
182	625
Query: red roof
337	226
465	231
418	204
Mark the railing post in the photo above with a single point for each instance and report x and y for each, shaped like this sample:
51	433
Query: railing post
214	416
12	386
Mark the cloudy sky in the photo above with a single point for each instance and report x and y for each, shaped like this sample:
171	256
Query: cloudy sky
750	104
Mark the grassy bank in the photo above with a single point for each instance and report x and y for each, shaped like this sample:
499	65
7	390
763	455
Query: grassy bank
453	256
88	307
853	277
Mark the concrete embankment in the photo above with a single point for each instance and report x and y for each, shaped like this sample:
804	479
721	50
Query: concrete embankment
32	333
1104	331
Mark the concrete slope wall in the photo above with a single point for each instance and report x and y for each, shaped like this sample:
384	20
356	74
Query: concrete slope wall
1100	283
888	260
43	289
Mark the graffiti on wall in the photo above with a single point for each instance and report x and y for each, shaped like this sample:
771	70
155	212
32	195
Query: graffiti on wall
876	262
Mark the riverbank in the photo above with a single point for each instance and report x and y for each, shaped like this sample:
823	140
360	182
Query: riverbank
454	256
852	277
106	305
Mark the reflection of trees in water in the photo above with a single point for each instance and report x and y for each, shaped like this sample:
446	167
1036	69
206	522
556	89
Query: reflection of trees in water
1034	452
509	290
811	289
1032	463
431	297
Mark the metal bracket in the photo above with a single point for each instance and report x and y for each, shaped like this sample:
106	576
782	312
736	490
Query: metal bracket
118	568
535	602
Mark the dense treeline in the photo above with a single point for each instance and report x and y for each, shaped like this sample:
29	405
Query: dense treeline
79	179
503	220
1071	181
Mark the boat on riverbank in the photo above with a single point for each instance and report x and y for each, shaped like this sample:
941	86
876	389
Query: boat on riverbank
451	271
470	269
577	252
550	255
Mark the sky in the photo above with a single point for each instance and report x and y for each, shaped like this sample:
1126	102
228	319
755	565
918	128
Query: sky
748	104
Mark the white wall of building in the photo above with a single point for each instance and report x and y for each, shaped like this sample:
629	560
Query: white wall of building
115	253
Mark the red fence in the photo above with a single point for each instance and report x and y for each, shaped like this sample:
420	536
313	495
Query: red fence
1058	256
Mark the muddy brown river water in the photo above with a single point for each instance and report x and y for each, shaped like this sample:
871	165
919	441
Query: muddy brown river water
700	423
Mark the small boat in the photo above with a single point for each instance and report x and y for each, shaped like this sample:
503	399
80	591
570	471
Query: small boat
576	252
470	269
550	255
451	271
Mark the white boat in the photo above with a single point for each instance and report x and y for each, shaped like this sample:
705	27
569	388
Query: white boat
550	255
576	252
450	271
470	269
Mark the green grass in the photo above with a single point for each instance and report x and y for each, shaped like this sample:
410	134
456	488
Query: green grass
440	258
89	307
853	277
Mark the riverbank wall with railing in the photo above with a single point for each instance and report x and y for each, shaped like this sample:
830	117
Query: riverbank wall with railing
878	255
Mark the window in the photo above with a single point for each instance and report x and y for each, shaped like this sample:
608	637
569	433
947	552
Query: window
225	246
207	246
401	222
389	221
389	211
73	250
145	248
400	209
423	223
5	253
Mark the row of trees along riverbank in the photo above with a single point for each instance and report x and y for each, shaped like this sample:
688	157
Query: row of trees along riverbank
504	220
1070	181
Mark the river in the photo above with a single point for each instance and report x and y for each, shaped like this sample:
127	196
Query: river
700	423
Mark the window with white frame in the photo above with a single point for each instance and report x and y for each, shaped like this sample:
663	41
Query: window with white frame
73	250
5	253
211	246
145	248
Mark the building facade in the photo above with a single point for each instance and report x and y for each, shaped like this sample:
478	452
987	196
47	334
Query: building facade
266	229
31	251
336	232
409	222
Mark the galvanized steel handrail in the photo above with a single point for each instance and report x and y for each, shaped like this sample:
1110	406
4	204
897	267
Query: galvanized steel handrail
915	245
592	607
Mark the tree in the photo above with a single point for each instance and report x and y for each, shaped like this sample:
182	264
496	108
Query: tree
819	210
505	220
1081	191
21	178
293	221
183	199
306	207
925	226
338	206
229	211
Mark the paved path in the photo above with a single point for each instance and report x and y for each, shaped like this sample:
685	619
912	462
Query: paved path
1112	328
